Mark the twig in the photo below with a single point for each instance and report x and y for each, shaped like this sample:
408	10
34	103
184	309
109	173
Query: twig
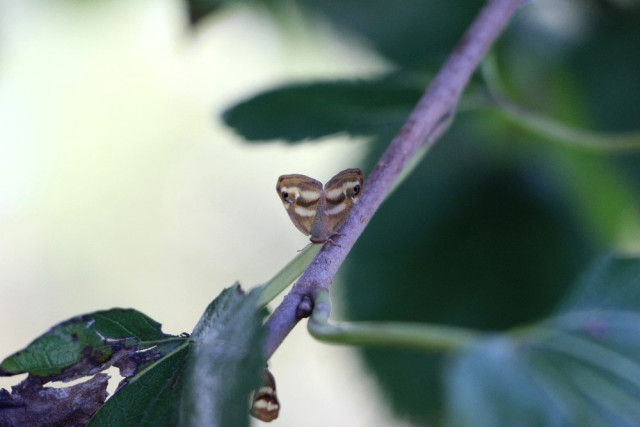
424	125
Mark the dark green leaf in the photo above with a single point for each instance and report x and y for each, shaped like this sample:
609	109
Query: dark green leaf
612	282
493	375
150	398
315	110
200	9
207	382
225	363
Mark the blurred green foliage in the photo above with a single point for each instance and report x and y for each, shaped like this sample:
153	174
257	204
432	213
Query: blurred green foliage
494	226
579	367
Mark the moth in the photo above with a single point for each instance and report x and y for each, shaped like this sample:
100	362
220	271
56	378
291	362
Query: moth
265	405
315	210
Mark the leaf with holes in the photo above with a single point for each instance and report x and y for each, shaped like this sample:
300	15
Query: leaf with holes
205	379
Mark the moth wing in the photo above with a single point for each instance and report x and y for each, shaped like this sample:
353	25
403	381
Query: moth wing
300	196
341	193
265	405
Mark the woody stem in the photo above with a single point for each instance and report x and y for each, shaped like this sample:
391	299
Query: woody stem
423	126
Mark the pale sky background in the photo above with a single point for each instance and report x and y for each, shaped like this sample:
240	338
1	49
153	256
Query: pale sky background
120	187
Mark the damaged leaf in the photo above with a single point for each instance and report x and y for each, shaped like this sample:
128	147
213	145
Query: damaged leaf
79	347
167	379
90	340
32	404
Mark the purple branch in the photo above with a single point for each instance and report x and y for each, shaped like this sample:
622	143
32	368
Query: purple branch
422	126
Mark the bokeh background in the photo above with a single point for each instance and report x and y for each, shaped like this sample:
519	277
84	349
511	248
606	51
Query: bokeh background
120	185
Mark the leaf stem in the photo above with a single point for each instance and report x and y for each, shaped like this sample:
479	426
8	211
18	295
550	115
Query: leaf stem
417	336
287	275
562	133
550	128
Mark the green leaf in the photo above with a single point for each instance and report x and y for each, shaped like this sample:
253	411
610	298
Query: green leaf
612	282
579	367
207	382
494	376
92	338
287	275
149	398
225	363
315	110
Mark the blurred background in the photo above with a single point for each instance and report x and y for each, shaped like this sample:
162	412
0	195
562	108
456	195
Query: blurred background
120	185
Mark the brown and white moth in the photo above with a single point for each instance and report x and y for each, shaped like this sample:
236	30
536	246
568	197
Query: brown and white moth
265	405
318	211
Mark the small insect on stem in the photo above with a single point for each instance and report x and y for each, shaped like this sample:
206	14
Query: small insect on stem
265	405
318	211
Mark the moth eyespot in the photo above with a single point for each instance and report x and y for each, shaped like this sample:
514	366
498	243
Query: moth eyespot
285	196
354	191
